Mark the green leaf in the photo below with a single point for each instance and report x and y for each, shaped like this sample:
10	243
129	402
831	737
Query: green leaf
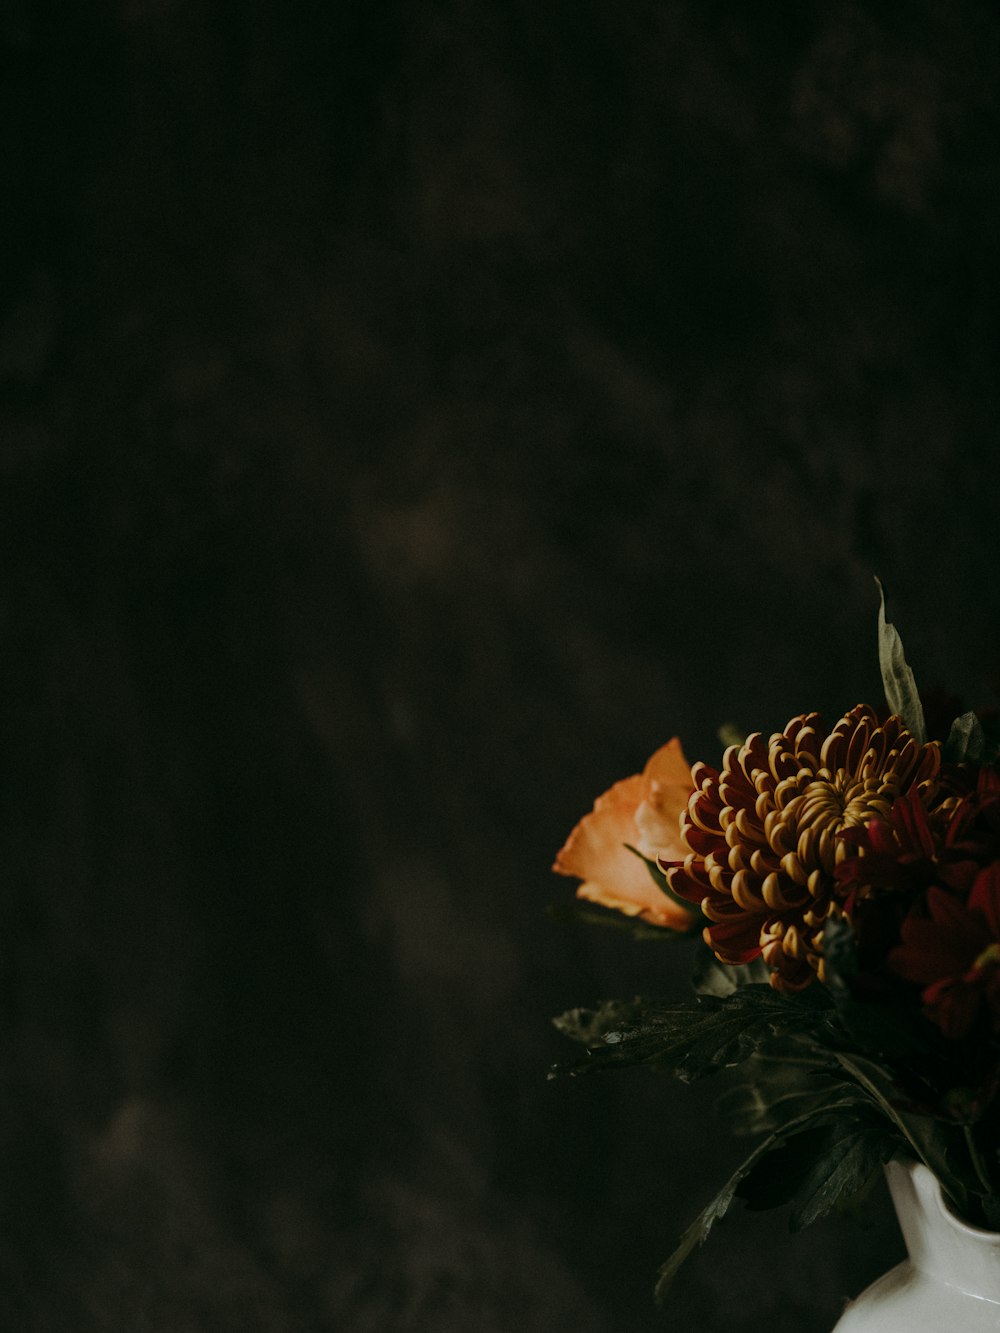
699	1230
710	977
897	678
824	1165
588	1026
937	1144
854	1151
783	1085
592	915
966	740
777	1178
840	957
991	1212
694	1038
663	884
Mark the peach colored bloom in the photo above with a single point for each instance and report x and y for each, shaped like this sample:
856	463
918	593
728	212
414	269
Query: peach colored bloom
643	811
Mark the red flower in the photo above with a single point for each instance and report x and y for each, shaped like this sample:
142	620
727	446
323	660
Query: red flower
941	840
952	949
972	838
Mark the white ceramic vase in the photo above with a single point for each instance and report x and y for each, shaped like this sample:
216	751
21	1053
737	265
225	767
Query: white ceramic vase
951	1281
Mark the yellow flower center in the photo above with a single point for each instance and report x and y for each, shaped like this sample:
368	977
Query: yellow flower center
813	808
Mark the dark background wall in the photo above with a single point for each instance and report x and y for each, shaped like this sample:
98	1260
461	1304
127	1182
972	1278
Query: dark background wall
413	414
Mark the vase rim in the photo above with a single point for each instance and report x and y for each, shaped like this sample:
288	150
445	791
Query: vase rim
958	1223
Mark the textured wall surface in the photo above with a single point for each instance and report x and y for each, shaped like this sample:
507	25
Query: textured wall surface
412	414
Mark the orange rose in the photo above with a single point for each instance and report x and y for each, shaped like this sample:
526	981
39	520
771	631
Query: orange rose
642	811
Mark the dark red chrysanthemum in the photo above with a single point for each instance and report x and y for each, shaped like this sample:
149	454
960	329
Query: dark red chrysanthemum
768	832
972	836
890	865
951	948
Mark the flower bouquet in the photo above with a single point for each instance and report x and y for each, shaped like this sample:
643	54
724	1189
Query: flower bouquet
840	887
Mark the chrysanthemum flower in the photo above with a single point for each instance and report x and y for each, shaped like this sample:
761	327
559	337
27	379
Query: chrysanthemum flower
926	884
767	832
892	864
952	949
972	836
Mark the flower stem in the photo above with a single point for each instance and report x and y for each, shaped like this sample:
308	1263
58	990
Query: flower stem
977	1161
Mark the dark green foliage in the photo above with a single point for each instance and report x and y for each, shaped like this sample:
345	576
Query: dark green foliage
691	1038
897	678
824	1165
783	1085
826	1184
966	739
710	977
970	741
592	915
590	1026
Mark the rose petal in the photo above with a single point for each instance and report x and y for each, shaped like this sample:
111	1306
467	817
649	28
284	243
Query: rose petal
666	789
648	903
596	842
642	811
